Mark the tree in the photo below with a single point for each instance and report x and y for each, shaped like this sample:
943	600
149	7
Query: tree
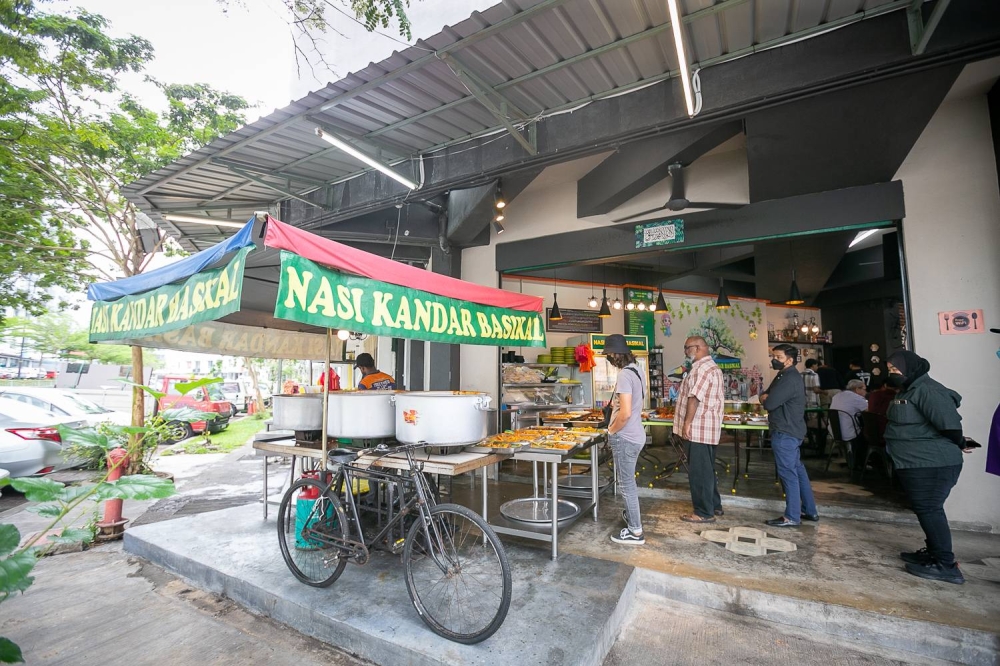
310	18
56	334
80	139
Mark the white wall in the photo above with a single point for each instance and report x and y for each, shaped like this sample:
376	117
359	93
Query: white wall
952	245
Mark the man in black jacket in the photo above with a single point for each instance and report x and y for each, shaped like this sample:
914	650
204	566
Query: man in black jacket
785	402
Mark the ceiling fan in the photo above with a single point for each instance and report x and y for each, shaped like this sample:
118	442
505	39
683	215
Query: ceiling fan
678	201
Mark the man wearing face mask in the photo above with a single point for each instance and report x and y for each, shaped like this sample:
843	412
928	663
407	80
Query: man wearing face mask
924	438
785	402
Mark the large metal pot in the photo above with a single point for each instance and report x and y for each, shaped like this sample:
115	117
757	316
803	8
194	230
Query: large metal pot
441	418
361	414
298	412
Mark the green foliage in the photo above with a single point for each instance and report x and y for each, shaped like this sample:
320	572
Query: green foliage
10	653
186	387
719	336
9	538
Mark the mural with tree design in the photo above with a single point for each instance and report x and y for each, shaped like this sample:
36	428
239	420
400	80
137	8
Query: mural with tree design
719	336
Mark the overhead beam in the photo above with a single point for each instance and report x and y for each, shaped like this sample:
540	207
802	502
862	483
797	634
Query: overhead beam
920	32
639	165
261	181
853	207
483	95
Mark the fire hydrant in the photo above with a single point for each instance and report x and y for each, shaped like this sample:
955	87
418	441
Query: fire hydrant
113	525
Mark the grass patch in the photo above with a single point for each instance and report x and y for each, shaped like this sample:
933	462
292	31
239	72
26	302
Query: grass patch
230	439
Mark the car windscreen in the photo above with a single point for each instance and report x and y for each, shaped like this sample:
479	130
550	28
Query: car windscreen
230	387
215	392
84	405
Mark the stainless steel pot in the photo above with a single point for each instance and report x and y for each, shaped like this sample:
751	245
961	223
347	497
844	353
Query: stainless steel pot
441	418
361	415
298	412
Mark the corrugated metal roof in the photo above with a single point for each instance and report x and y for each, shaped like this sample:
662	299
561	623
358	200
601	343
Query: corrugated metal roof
541	56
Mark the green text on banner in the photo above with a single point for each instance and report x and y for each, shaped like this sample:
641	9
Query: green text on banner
204	296
311	294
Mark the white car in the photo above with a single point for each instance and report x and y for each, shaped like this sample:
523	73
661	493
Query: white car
240	395
60	402
29	441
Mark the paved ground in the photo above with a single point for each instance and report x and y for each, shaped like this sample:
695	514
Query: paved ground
664	632
100	607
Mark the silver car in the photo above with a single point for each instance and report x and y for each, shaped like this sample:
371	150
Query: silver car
29	441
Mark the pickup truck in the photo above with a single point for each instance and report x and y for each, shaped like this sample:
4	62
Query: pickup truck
208	398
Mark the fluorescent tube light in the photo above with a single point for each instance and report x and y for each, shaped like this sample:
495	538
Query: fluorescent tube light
370	161
861	236
204	220
677	27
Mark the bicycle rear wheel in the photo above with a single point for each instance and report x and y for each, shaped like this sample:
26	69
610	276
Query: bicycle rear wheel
308	530
457	574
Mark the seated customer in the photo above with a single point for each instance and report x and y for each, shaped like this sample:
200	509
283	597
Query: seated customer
850	403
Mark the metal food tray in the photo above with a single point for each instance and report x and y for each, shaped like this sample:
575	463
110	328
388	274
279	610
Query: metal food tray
513	448
586	424
546	449
538	509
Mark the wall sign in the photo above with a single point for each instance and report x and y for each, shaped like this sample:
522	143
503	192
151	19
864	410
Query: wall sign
961	322
640	322
633	342
575	321
662	232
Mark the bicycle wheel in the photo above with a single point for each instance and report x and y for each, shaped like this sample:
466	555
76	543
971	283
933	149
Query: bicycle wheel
457	574
309	519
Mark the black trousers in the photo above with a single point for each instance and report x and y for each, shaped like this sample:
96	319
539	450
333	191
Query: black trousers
701	476
927	489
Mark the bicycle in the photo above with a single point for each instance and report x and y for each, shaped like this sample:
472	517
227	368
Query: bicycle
457	574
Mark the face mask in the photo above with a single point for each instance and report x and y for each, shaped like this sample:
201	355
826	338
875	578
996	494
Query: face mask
896	381
777	365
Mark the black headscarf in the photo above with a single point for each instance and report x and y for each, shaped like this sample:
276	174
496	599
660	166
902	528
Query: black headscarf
911	365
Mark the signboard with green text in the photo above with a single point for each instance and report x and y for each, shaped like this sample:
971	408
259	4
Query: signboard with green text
313	294
205	296
640	322
635	343
661	232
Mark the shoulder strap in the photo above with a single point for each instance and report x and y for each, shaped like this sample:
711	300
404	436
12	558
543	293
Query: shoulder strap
642	387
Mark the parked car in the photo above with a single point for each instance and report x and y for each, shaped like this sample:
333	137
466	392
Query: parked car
61	402
30	444
240	394
208	398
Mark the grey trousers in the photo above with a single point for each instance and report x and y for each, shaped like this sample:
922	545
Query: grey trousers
701	477
626	454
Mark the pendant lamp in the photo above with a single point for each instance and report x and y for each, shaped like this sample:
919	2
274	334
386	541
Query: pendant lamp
593	299
605	311
661	304
554	313
630	306
617	305
722	303
794	297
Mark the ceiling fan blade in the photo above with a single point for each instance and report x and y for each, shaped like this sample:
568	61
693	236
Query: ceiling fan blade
645	212
708	204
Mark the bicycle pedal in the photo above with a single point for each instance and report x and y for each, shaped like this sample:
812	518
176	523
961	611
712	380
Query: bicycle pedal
397	547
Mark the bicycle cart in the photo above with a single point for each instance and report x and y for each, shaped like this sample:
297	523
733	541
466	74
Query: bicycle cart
457	574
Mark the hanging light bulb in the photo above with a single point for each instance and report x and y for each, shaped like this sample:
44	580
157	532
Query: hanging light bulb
815	327
641	306
499	202
805	328
630	306
794	297
661	304
344	334
592	302
605	310
722	303
617	305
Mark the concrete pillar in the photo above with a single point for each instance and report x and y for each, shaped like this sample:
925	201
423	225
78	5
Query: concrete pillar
445	360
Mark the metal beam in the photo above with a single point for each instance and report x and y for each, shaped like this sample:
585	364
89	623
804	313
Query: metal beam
483	95
265	171
927	30
478	36
276	188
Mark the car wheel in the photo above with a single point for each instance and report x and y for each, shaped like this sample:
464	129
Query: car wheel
178	431
232	411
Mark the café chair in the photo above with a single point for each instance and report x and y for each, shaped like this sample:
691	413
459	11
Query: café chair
839	443
873	430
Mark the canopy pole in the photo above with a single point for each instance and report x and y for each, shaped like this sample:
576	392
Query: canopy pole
326	394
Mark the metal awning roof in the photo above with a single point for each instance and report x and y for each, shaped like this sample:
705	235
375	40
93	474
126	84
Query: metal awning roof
500	69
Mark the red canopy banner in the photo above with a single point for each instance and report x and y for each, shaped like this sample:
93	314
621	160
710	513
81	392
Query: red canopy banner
358	262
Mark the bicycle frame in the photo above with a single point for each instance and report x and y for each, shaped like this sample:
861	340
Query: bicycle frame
342	484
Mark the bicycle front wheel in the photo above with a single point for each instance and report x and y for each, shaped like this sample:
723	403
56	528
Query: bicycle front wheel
457	574
311	522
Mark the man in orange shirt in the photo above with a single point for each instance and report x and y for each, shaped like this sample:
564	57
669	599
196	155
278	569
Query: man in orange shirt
371	378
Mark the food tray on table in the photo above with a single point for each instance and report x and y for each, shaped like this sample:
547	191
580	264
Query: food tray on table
547	445
506	442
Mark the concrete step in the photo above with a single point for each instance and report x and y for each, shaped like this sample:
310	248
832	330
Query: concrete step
661	631
565	612
917	639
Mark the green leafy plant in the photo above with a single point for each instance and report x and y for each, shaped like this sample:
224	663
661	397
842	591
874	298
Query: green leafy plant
57	500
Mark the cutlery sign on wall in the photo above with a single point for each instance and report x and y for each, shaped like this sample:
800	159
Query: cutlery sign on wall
960	322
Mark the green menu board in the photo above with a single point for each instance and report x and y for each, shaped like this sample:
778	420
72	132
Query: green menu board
640	322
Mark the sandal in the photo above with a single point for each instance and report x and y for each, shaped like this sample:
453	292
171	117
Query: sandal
694	518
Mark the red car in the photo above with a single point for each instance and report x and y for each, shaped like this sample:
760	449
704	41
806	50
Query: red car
208	398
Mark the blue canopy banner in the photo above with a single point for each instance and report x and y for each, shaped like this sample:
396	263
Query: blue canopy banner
204	296
179	270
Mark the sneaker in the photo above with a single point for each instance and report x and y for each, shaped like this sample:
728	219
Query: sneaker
937	571
628	537
917	557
